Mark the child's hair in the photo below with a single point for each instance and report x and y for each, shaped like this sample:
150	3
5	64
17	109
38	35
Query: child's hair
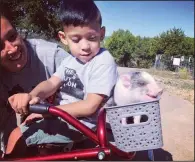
79	13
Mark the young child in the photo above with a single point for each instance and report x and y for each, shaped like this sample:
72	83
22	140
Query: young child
85	79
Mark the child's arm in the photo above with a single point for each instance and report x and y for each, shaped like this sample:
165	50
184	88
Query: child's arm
84	107
46	88
20	101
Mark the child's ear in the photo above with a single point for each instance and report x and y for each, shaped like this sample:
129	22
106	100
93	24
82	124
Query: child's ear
62	37
103	31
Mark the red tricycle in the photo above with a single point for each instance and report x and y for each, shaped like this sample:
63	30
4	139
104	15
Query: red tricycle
129	137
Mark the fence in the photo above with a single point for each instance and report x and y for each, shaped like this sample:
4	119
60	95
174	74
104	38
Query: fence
166	63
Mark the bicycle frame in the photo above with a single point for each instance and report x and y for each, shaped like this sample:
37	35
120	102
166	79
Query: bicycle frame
103	151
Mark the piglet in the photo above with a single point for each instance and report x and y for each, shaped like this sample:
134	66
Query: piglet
134	87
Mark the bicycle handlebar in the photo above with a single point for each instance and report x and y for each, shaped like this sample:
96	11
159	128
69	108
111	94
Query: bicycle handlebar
39	108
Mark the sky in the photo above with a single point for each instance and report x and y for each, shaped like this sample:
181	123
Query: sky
147	18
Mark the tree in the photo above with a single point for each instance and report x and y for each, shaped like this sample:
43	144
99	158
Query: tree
38	16
174	43
122	45
143	55
188	46
171	42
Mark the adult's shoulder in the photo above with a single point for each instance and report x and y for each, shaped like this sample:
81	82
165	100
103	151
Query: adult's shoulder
43	47
43	43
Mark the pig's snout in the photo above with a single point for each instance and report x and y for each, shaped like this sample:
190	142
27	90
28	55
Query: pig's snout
154	90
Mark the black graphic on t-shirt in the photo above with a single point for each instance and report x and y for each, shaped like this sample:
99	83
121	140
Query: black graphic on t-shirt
72	84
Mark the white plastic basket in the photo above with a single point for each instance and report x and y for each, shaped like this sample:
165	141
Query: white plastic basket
136	137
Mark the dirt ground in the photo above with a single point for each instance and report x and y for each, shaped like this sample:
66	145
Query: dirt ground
177	116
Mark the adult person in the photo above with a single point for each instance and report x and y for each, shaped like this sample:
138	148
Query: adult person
23	64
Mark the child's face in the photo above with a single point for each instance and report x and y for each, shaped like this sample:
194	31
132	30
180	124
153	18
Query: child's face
83	41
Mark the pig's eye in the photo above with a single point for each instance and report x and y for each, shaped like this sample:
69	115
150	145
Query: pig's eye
141	84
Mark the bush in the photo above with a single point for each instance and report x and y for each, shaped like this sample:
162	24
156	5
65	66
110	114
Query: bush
183	73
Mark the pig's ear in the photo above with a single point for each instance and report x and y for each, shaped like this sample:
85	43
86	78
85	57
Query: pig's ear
125	78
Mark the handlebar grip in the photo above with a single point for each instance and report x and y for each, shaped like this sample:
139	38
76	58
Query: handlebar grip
39	108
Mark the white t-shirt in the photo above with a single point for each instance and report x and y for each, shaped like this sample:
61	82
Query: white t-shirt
98	76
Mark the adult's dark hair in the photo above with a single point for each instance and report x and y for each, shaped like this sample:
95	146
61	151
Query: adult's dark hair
79	13
7	13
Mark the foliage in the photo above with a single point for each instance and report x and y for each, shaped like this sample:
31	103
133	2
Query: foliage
37	16
143	54
183	73
131	51
172	41
122	46
188	45
156	46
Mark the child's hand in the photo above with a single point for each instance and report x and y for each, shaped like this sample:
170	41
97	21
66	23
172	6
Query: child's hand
31	118
34	100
